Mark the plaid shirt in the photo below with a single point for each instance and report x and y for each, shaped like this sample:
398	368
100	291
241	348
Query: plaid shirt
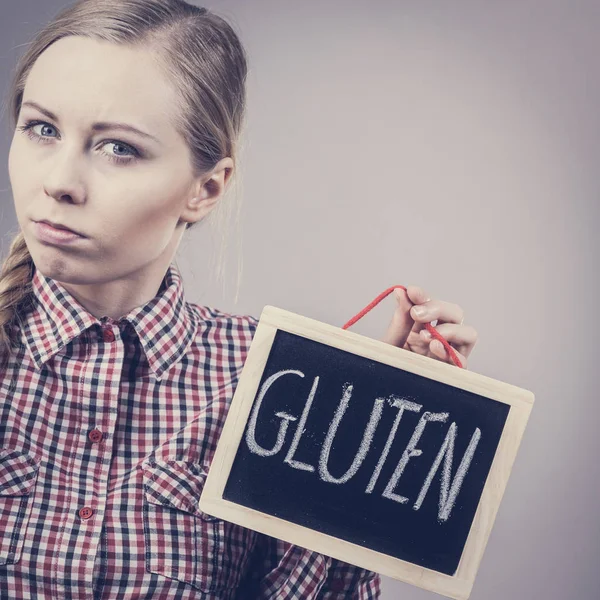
105	444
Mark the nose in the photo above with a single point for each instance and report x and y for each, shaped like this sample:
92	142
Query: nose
63	180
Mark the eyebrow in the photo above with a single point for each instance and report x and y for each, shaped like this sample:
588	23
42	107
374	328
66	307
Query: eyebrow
102	126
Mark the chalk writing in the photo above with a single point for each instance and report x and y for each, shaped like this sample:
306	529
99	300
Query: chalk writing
450	486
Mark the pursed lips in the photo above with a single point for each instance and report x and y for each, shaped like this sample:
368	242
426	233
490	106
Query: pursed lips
61	227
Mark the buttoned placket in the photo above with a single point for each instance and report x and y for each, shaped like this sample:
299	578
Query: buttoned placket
99	412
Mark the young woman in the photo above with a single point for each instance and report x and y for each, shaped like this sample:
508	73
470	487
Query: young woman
114	388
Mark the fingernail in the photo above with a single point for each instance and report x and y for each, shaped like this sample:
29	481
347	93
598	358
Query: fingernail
425	334
419	311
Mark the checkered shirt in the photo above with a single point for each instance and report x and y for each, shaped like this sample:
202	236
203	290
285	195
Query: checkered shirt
106	438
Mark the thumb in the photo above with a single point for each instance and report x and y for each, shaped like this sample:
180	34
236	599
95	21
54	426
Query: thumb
402	323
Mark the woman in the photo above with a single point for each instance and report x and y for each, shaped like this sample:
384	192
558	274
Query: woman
113	388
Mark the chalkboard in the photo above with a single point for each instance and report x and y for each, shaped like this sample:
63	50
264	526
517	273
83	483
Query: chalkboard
345	443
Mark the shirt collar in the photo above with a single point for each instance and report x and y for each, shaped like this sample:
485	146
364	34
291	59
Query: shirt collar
166	325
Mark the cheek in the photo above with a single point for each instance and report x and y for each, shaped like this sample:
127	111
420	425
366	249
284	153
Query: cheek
154	201
24	160
15	164
22	177
143	216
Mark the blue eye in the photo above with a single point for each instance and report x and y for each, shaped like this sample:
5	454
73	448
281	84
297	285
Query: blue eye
123	159
27	128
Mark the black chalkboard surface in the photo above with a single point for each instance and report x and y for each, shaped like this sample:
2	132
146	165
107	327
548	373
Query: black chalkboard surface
411	521
341	439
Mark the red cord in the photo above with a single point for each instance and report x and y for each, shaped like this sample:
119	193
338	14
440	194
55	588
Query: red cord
429	328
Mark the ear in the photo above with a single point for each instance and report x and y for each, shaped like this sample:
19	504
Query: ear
207	191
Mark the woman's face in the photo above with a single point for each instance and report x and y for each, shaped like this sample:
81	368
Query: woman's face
130	194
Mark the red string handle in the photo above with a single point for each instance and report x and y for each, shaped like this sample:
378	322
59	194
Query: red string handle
429	328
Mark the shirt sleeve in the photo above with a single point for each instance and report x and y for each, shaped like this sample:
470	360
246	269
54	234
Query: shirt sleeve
282	571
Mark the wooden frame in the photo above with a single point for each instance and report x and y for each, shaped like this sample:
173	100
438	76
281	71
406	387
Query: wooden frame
459	585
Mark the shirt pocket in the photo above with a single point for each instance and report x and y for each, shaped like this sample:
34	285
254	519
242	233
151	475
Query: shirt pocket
18	475
181	541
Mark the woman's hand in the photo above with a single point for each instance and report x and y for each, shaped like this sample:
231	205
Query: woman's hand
407	328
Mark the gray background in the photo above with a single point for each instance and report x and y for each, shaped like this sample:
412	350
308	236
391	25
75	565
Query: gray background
451	145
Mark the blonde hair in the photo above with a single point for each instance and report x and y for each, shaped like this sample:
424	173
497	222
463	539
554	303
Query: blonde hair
203	58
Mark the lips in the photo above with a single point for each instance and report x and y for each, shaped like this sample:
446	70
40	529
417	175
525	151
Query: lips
57	226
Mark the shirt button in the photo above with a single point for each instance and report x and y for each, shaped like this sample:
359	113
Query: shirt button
95	435
108	335
86	512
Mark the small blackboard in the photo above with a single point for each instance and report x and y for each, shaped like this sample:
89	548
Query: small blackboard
366	452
